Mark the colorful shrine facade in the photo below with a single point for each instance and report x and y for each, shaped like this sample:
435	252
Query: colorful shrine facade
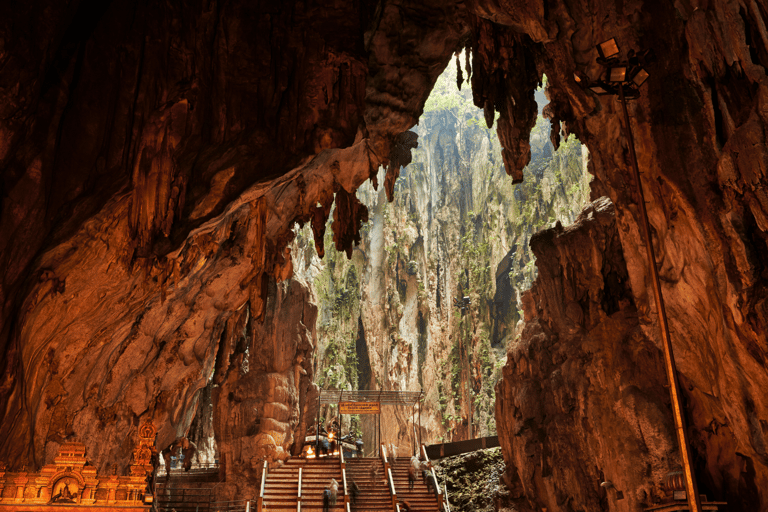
69	483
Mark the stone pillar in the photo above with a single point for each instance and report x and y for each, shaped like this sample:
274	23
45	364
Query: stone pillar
21	482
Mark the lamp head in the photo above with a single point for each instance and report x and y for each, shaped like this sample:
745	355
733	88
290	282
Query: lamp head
617	74
599	89
608	49
581	78
641	75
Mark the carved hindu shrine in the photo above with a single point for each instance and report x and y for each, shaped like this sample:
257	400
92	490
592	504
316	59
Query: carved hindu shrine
70	482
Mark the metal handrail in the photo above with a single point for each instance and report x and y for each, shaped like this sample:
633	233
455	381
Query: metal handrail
437	488
447	505
198	467
434	476
260	502
392	488
344	483
298	501
300	484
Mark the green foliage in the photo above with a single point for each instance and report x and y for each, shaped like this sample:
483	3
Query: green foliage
356	427
475	270
456	371
446	97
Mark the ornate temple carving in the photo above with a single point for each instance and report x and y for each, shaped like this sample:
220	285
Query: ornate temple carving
70	481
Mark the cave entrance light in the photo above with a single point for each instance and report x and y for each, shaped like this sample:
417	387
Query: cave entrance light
623	78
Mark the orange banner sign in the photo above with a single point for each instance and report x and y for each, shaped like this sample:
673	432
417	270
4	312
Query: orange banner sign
359	408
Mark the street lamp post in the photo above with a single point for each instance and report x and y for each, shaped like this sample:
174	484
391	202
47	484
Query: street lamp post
623	78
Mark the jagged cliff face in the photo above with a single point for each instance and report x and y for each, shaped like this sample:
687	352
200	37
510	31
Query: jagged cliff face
155	159
457	227
583	397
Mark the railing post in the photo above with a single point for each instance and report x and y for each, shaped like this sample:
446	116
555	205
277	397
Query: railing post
260	501
344	483
434	476
298	502
437	489
392	488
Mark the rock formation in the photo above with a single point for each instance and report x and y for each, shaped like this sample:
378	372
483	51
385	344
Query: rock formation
263	391
473	480
155	158
583	361
141	210
457	227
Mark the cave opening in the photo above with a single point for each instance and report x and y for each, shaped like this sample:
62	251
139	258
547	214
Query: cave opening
457	227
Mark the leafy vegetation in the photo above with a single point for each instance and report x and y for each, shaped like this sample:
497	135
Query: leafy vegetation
482	219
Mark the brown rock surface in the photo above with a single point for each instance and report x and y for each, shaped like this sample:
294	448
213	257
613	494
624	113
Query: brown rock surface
264	396
154	160
582	398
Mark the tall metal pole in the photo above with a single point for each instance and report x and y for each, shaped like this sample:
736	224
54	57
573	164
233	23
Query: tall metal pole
317	427
378	441
692	490
413	429
467	355
420	421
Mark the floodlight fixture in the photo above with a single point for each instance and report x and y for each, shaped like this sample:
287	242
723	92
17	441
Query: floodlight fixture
641	75
581	78
608	49
617	74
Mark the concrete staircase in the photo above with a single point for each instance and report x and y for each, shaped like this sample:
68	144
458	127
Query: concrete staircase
298	486
420	498
186	491
281	486
170	496
374	493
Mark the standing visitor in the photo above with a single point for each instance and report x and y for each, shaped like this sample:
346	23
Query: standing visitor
334	488
413	470
324	446
326	500
354	492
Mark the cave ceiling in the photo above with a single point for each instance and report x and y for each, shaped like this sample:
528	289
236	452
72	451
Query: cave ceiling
156	155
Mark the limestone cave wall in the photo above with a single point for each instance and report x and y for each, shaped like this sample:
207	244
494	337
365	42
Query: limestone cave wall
691	125
155	158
